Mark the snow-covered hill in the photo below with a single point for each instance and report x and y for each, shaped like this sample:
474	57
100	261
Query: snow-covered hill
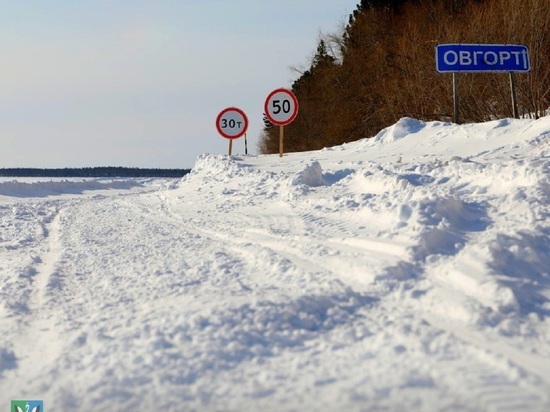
407	272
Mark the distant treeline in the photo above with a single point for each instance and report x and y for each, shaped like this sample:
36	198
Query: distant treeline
93	172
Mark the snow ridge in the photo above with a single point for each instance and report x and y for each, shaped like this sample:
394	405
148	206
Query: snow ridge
404	272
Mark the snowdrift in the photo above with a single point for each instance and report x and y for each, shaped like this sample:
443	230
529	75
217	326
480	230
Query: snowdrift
409	271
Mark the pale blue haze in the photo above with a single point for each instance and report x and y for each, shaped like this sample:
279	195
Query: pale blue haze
140	83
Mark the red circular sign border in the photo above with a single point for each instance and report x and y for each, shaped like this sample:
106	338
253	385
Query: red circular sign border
292	96
231	109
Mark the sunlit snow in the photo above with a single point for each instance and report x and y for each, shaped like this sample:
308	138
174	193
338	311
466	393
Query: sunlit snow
406	272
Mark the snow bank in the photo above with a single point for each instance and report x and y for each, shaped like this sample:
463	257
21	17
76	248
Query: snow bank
407	271
53	188
36	188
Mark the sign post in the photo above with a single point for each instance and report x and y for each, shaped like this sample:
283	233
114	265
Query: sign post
482	58
231	123
281	108
513	92
456	98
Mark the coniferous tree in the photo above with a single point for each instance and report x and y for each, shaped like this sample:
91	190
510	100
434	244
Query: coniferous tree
385	69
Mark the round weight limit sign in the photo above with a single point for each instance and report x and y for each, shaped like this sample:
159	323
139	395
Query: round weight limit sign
232	123
281	108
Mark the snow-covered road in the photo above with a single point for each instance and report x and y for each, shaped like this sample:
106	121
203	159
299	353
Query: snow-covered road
405	272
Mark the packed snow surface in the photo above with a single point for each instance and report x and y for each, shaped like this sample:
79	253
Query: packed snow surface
406	272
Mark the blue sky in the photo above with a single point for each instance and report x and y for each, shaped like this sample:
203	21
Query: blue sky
140	83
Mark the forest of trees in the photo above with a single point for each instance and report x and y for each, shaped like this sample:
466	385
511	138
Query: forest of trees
93	172
382	68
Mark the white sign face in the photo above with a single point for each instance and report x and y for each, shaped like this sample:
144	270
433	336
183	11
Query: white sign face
232	123
281	107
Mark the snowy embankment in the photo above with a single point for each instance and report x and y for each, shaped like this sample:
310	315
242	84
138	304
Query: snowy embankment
410	271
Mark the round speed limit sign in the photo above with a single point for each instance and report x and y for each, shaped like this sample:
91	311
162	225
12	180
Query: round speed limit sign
281	107
232	123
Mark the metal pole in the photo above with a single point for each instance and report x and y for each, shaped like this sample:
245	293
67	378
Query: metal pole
514	100
281	134
230	146
455	98
245	145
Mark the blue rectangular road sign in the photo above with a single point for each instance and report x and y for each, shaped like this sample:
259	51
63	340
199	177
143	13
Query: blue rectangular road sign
476	58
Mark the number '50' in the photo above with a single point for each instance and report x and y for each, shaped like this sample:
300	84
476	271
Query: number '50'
278	106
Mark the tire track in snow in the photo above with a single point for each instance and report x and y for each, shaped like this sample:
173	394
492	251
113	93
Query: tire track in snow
355	260
492	387
32	225
50	259
278	321
491	390
531	364
493	376
461	285
447	226
71	311
34	352
266	242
